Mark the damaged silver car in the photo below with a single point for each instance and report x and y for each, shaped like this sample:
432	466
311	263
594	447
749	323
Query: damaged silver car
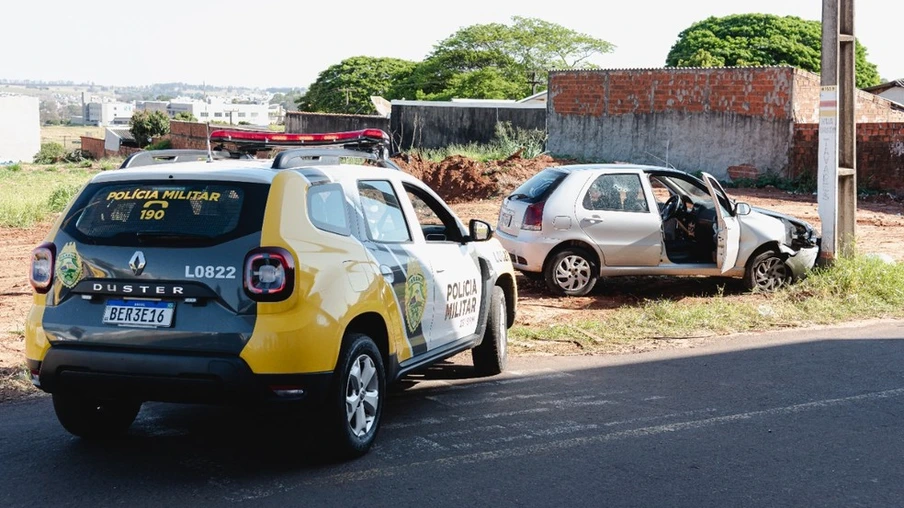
572	225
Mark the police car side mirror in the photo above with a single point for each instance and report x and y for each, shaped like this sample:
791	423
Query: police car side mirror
479	231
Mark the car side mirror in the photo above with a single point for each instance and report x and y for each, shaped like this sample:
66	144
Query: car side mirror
479	231
742	209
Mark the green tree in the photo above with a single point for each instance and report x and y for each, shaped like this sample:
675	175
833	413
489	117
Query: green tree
185	116
759	39
347	86
146	125
514	58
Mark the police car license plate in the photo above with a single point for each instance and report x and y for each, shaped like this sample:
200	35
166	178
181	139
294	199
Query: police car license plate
139	313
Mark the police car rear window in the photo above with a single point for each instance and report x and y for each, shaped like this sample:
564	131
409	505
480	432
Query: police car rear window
167	213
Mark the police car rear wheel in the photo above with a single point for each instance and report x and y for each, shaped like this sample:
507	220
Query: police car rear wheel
491	355
356	404
91	418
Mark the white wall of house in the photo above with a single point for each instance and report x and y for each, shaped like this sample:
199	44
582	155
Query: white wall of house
234	114
20	128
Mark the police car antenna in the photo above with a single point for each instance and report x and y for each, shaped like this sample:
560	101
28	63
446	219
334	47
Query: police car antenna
209	152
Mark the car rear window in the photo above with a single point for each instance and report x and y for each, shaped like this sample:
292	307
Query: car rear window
538	187
166	213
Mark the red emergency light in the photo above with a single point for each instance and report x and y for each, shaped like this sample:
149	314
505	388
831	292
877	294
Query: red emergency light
291	139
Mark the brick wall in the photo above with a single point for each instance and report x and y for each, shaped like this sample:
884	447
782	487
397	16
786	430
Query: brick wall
690	118
763	92
95	147
870	108
880	155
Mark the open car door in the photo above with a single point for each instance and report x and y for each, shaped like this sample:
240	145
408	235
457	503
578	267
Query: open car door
728	231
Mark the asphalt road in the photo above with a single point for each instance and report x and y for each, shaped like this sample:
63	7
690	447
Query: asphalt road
800	418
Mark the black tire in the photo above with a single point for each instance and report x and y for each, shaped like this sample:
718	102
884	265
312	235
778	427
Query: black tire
571	272
491	355
355	401
91	418
767	272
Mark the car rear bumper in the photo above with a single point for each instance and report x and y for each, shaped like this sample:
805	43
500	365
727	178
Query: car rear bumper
528	250
169	377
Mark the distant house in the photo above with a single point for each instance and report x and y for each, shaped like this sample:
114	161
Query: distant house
20	128
893	90
118	137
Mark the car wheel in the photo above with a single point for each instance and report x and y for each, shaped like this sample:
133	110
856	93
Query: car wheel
767	272
91	418
491	355
571	272
355	404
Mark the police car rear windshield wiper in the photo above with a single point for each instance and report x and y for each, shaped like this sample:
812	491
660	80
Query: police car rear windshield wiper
171	237
518	196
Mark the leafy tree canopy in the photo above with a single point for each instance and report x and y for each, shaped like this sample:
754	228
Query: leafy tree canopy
185	116
514	58
347	86
759	39
146	125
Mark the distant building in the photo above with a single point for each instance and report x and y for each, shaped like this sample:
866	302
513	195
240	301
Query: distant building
20	128
118	137
893	90
103	114
216	110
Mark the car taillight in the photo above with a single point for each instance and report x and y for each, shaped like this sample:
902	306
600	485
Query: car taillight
269	274
40	274
533	217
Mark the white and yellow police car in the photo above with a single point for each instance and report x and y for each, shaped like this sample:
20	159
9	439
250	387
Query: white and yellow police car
199	276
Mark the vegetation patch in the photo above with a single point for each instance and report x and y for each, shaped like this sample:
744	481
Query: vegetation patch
32	193
862	287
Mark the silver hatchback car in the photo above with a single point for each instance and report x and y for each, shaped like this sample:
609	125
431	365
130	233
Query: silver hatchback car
570	225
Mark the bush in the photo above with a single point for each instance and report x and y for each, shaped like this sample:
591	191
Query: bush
14	167
60	197
163	144
51	153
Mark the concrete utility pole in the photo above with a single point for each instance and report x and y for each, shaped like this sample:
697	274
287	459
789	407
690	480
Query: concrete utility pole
837	179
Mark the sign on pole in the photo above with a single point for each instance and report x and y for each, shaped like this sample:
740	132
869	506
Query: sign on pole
827	198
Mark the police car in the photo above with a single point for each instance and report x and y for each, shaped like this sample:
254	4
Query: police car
213	277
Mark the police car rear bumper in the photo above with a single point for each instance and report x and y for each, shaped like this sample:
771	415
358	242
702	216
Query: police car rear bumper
164	377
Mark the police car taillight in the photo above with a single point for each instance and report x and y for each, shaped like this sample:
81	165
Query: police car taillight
40	273
269	274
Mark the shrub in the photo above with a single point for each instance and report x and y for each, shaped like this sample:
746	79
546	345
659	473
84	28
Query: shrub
163	144
60	197
51	153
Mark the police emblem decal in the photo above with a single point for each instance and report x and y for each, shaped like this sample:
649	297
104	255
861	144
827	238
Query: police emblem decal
69	265
415	295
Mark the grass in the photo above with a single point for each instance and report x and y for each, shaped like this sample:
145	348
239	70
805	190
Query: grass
508	140
69	135
30	193
855	288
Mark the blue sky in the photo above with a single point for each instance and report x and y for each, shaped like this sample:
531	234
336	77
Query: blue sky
269	43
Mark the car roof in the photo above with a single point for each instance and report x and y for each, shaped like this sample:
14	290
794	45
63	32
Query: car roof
618	167
246	170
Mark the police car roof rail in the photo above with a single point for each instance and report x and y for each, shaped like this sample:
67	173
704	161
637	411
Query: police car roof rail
151	157
369	144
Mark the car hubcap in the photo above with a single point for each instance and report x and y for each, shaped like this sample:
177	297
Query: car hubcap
771	274
362	395
573	273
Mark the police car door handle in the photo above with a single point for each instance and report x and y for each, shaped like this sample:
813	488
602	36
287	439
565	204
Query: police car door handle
593	219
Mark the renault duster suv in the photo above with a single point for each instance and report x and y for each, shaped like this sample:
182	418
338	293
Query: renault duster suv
186	277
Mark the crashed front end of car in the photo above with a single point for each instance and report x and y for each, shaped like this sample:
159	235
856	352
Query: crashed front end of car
801	243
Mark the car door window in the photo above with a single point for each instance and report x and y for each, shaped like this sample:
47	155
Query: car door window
382	212
620	193
326	208
436	222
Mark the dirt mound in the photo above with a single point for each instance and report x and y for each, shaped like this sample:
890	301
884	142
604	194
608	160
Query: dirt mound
459	179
